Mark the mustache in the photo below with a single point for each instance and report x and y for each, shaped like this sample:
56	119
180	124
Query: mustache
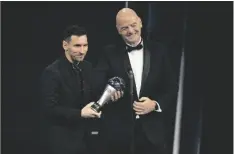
77	54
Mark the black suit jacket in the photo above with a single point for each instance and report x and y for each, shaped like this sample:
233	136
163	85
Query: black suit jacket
63	98
158	83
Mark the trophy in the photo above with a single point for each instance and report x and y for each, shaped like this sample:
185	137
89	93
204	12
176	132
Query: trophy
114	84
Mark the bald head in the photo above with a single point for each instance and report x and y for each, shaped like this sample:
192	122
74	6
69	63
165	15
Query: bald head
129	25
125	14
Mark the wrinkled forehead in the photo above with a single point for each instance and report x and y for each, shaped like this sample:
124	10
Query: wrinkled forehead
126	20
79	39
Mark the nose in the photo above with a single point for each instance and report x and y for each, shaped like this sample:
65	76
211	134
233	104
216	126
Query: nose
82	49
130	29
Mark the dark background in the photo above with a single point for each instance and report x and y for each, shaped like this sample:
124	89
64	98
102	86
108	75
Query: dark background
32	39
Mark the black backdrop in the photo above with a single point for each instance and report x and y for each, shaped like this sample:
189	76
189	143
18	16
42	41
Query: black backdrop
31	39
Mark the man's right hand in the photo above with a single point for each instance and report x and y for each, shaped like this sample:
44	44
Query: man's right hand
117	95
87	112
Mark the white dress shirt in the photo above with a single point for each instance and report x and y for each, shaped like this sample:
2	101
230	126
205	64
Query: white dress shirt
136	61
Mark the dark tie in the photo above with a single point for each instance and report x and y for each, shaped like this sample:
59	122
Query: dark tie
138	47
77	67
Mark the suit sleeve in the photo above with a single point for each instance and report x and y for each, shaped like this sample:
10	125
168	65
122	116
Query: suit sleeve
170	85
50	95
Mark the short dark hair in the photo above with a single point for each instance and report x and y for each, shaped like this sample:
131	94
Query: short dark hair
73	30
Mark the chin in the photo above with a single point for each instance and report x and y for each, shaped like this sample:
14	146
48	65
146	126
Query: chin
130	40
133	40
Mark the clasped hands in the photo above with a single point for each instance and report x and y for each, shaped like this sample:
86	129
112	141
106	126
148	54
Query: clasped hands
144	106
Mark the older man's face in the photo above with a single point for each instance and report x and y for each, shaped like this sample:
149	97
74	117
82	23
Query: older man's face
129	27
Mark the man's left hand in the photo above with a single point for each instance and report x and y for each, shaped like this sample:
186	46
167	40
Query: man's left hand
145	106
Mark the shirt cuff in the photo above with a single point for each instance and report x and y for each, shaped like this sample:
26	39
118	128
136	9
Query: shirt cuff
158	107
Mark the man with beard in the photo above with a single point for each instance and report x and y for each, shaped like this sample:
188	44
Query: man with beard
68	89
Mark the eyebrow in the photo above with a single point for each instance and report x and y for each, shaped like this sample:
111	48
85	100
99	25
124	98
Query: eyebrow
124	27
134	23
80	44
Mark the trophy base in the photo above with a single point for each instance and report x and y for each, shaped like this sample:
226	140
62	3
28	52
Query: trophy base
96	107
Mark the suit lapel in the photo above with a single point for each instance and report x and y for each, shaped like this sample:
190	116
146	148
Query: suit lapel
127	67
146	67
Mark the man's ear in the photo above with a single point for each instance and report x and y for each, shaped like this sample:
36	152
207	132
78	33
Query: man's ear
140	22
117	27
65	45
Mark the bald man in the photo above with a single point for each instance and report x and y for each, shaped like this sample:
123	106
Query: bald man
134	124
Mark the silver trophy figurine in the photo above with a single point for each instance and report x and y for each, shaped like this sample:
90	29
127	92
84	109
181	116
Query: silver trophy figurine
114	84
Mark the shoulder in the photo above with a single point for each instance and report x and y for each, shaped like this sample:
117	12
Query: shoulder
87	64
112	51
52	69
156	45
115	47
111	48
